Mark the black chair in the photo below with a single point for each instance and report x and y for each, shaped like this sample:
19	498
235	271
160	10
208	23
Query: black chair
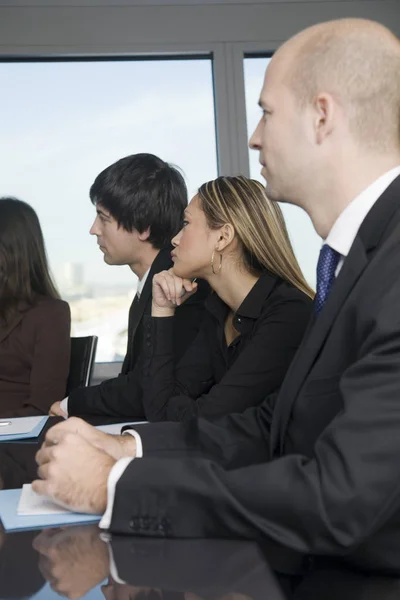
83	353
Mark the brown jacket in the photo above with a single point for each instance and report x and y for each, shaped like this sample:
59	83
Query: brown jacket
34	358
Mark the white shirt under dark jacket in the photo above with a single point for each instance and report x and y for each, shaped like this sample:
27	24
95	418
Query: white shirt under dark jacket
346	226
340	238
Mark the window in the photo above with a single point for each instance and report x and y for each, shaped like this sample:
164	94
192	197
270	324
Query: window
65	121
306	243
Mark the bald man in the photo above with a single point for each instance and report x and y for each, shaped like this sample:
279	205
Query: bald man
321	472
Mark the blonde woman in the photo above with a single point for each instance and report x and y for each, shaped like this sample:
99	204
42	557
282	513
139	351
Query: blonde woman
236	239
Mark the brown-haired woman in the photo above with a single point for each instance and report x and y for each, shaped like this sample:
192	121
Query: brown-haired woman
34	322
236	239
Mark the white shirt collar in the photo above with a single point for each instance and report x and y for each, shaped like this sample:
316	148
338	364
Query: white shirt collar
141	282
346	226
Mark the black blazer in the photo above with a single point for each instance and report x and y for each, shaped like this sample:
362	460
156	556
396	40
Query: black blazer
122	396
213	379
333	486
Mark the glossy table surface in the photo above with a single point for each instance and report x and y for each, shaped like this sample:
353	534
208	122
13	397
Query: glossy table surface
82	562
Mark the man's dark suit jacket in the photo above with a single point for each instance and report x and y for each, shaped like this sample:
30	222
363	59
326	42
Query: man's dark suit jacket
321	474
121	396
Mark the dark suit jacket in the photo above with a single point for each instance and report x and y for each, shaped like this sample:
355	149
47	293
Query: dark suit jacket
34	358
122	396
334	436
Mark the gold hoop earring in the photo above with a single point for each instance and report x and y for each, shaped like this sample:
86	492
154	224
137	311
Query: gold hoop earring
212	263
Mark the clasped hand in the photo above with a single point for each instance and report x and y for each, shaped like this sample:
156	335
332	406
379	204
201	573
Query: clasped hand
74	464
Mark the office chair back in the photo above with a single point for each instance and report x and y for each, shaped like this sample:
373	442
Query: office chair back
83	354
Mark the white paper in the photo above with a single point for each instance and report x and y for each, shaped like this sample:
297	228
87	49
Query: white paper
115	428
19	425
31	503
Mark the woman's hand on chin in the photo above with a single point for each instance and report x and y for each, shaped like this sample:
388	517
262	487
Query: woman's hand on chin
170	291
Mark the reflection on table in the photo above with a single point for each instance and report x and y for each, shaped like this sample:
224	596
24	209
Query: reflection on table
80	562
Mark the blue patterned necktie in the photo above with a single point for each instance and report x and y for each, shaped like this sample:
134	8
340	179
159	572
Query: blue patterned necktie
326	267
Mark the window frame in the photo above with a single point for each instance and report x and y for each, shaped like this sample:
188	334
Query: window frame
229	98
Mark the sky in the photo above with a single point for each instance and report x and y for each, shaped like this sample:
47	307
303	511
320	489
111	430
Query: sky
64	122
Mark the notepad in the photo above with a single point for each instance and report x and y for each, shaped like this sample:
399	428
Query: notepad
36	511
115	428
31	503
21	428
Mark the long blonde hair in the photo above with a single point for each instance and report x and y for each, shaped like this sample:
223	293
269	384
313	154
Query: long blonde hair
259	225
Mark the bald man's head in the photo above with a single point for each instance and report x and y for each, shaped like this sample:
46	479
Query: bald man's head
358	63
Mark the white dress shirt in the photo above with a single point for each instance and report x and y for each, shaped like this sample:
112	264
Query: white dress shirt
346	226
340	238
141	283
139	289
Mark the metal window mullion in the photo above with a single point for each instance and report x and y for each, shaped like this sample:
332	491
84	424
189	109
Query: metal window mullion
230	110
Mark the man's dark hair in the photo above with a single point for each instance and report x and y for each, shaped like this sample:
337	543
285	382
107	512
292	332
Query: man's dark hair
142	191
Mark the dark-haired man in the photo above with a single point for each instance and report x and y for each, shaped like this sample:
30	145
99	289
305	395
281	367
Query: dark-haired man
139	202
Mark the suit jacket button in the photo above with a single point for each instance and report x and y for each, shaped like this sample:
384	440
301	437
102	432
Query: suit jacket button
133	524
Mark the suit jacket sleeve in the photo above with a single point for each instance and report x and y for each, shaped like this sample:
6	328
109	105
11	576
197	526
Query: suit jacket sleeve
188	390
117	397
231	441
325	503
50	323
122	396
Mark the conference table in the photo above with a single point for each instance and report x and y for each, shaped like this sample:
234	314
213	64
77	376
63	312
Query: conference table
81	561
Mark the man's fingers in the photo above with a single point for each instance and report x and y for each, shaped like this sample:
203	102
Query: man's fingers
43	471
71	425
56	410
44	455
75	425
53	440
54	433
40	486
